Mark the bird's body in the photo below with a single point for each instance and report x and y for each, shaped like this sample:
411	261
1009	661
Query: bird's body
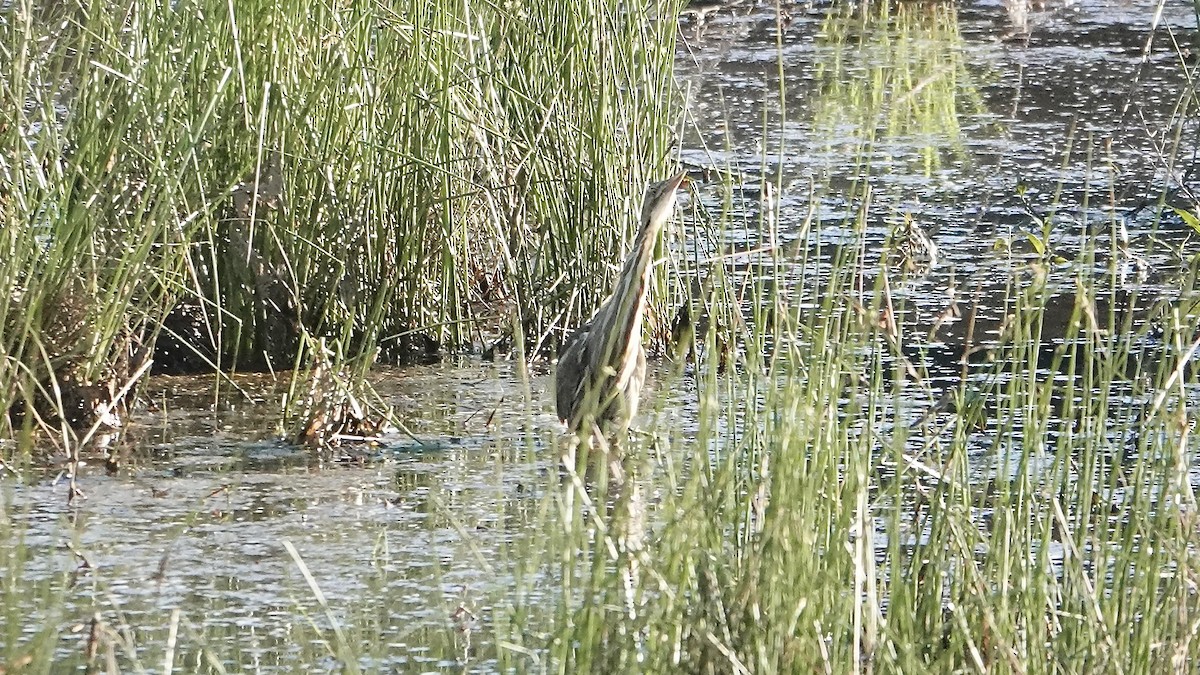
603	364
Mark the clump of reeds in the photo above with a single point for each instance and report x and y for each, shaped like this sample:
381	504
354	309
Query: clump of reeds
236	178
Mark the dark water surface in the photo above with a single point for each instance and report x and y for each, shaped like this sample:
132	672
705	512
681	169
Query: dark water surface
1017	111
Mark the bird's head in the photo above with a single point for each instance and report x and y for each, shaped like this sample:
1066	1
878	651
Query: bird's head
660	200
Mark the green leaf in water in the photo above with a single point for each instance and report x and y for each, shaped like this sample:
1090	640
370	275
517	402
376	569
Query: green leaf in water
1188	217
1038	243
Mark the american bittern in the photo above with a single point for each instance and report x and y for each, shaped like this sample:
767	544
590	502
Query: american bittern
603	365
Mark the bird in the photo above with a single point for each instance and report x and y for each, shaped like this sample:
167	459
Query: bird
917	248
601	369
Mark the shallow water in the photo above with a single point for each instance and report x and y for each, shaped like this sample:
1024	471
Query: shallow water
407	536
197	514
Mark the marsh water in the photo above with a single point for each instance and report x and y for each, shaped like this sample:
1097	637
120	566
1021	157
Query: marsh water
973	121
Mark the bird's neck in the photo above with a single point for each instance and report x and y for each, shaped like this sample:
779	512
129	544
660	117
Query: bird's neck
624	322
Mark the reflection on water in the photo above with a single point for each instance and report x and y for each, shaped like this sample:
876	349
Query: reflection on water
969	121
1006	151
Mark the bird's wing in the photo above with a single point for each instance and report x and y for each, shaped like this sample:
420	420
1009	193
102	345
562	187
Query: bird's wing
573	373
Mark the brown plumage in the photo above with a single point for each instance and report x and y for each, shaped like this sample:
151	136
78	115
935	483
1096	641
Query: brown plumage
603	364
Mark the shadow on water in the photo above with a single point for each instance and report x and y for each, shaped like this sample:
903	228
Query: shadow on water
994	130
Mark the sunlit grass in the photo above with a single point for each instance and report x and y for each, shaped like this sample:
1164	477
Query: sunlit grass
819	518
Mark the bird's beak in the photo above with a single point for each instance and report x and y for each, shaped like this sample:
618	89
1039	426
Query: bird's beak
679	180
